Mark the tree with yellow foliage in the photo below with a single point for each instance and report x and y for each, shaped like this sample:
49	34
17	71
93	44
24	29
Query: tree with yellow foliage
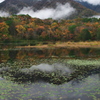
4	31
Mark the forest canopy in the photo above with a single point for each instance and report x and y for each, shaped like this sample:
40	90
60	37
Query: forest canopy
23	27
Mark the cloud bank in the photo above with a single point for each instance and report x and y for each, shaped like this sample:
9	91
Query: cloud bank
93	2
2	1
60	12
4	14
96	16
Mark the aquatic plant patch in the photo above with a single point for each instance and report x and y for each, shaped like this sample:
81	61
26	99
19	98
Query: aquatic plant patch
53	73
84	62
46	79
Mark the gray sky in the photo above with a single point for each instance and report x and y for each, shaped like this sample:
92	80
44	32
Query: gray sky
1	1
94	2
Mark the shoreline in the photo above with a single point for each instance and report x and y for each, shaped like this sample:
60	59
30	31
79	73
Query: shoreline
94	44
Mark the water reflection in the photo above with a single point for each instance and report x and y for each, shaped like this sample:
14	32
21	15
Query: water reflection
87	89
82	53
80	88
69	91
1	78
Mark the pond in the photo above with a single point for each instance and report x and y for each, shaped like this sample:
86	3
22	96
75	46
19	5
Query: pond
50	74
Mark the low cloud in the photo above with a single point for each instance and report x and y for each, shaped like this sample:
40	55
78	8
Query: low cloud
2	1
93	2
96	16
61	11
4	14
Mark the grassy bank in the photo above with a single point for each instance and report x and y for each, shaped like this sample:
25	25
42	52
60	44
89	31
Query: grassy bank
94	44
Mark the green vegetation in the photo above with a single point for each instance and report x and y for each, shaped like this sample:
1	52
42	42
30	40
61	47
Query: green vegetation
84	62
72	28
85	35
98	34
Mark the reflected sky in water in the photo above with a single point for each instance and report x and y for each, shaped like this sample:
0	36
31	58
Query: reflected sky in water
85	89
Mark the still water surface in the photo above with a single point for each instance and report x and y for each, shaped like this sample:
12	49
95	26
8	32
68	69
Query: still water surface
85	88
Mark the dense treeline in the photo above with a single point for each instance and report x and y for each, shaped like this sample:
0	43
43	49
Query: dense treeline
23	27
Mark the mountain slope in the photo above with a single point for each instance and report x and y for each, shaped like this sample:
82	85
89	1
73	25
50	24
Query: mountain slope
90	6
14	6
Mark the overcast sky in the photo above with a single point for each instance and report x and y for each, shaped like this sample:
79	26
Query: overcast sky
94	2
1	1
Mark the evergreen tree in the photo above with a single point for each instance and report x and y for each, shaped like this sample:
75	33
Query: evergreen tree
72	28
98	34
85	35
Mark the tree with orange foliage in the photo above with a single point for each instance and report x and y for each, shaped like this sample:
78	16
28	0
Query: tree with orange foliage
4	31
20	30
40	29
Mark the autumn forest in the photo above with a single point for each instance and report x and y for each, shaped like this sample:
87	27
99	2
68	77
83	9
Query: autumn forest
21	28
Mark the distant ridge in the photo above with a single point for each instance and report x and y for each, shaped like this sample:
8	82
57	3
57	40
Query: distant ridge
90	6
14	6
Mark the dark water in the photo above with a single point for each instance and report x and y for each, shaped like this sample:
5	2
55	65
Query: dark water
77	53
81	88
86	89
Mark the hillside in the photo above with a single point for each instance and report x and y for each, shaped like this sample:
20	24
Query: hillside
27	30
15	6
90	6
